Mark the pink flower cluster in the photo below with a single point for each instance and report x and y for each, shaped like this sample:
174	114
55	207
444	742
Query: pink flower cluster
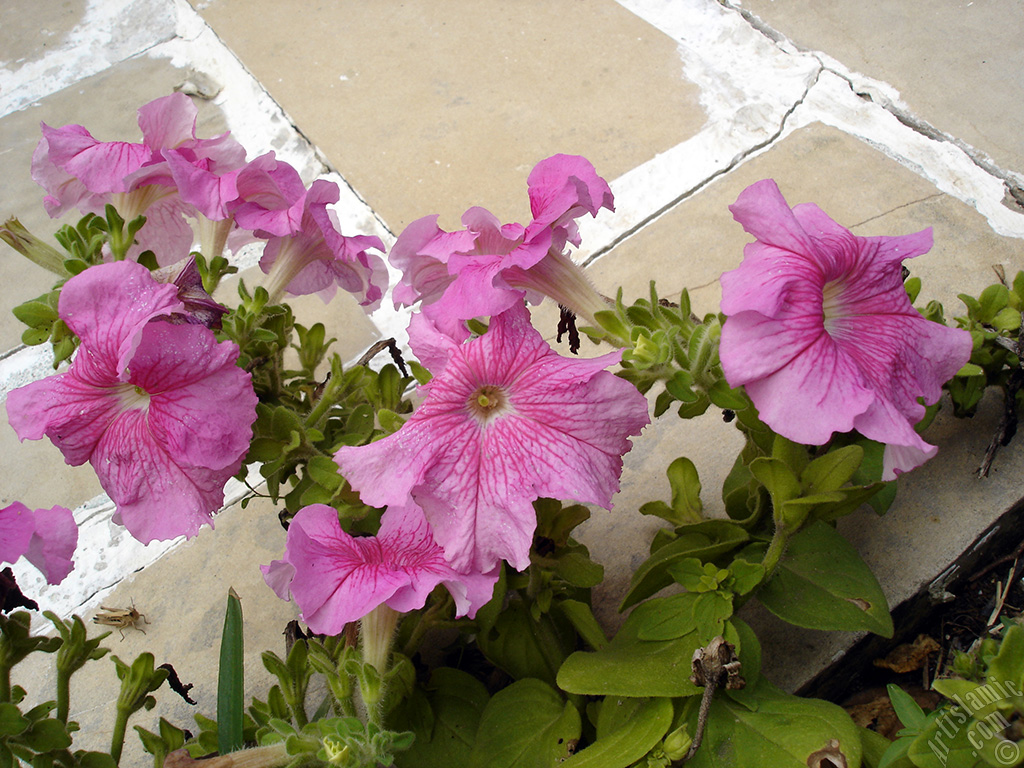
173	176
822	335
504	421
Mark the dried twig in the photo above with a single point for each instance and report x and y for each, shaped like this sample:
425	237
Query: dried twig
712	666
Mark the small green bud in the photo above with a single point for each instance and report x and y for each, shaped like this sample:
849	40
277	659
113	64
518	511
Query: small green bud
677	743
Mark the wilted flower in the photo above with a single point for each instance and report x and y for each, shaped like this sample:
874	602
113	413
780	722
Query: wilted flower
821	332
486	268
46	537
507	421
336	578
161	411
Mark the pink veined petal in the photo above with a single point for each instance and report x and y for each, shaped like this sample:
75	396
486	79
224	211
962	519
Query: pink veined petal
156	498
107	306
821	332
53	543
64	191
817	393
431	346
271	197
101	166
201	405
278	576
421	253
46	537
74	414
201	187
168	121
338	579
763	212
768	280
562	183
563	429
167	232
17	524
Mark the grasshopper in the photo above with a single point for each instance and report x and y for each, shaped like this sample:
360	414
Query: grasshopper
121	618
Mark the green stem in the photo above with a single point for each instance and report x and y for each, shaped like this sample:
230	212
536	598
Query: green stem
5	683
324	403
117	739
63	694
776	549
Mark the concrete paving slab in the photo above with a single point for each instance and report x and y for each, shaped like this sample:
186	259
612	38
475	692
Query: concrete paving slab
956	65
864	190
429	101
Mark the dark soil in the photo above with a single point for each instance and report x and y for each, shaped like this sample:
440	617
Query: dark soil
928	635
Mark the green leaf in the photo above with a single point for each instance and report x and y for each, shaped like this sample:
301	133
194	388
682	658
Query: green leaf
705	541
582	618
636	727
1008	666
630	666
685	483
454	703
527	725
1006	319
783	732
579	570
230	681
945	742
777	477
724	396
12	722
907	710
325	472
524	646
47	735
822	583
36	314
833	470
673	618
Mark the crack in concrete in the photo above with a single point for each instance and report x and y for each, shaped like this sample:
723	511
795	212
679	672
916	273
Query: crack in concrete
897	208
736	160
1012	182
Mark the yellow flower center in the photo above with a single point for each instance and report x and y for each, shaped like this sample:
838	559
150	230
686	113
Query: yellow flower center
487	401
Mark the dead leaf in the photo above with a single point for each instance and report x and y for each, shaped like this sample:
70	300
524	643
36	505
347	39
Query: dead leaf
909	656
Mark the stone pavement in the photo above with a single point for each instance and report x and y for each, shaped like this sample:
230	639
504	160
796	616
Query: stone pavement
892	117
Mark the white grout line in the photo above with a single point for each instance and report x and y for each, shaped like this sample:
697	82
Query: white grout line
109	32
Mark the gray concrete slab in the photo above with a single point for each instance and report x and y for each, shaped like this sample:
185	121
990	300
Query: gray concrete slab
956	65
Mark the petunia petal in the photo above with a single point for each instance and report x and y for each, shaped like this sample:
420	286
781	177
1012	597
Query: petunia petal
107	306
561	433
53	543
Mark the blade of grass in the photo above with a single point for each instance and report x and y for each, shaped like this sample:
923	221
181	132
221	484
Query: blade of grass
230	679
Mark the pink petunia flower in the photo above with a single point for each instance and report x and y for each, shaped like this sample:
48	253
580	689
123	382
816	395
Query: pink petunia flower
336	578
507	421
160	410
79	171
821	332
486	268
46	537
314	257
